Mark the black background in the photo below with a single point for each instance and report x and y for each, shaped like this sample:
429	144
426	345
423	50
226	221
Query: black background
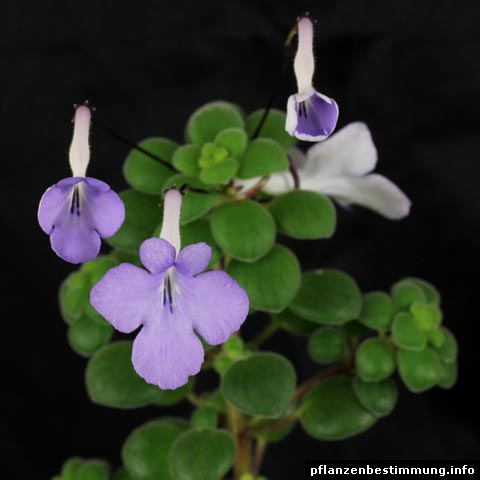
409	69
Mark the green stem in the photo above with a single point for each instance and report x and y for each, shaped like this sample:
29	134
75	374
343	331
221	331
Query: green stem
258	455
314	381
236	424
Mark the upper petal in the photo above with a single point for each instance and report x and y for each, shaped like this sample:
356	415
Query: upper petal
157	254
166	351
194	258
311	117
104	207
214	302
350	151
373	191
124	295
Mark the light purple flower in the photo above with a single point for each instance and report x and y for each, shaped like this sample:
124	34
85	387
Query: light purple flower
311	115
170	301
341	168
78	211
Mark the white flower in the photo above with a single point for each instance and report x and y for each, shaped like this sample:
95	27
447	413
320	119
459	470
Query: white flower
341	167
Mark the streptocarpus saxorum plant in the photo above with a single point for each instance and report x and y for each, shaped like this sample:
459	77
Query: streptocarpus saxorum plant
190	279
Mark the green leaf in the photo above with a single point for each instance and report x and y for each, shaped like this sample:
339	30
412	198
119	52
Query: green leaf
128	257
328	297
221	173
431	293
262	157
142	215
234	346
448	351
221	363
292	323
199	231
327	345
436	337
378	398
93	470
272	436
194	205
97	268
271	282
146	174
214	400
245	230
427	317
419	371
302	214
375	360
202	454
405	293
205	417
210	119
331	411
86	336
73	294
185	159
406	334
449	375
377	311
355	330
262	384
274	127
235	140
70	467
111	380
147	449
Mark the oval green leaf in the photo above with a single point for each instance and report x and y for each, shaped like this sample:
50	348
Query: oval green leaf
262	384
292	323
185	159
146	451
331	411
271	282
378	398
235	140
327	297
274	127
111	381
143	172
221	173
327	345
199	231
142	215
202	454
207	121
375	360
448	350
419	371
377	311
405	293
86	336
406	334
245	230
302	214
262	157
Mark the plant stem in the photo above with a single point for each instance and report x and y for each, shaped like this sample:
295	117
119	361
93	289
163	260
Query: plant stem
243	458
314	381
258	455
254	190
265	334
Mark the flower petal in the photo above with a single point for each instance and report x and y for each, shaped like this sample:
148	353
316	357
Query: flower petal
73	240
104	207
166	351
157	255
311	116
55	201
373	191
215	303
350	151
194	258
124	295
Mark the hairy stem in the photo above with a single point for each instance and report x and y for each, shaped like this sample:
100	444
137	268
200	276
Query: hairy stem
243	460
314	381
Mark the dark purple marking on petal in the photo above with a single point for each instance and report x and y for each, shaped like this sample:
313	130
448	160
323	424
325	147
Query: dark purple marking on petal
316	116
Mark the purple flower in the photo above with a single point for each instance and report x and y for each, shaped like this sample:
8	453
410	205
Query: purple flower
78	211
311	115
170	301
